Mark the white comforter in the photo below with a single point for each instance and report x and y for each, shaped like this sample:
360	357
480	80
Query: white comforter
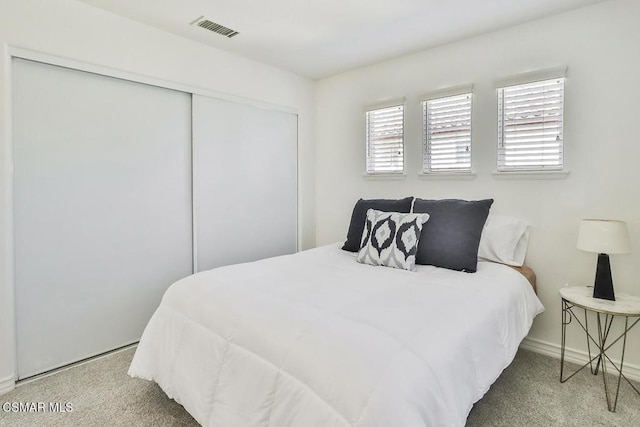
317	339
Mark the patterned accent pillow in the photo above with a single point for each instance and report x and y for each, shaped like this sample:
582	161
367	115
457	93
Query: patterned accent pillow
391	239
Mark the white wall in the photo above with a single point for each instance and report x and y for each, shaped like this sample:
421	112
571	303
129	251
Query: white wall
599	44
69	29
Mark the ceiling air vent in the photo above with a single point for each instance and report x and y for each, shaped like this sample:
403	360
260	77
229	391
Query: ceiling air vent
216	28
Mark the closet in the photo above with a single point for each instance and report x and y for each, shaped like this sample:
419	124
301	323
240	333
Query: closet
245	168
120	189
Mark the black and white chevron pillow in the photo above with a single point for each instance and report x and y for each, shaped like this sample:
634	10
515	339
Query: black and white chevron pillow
391	239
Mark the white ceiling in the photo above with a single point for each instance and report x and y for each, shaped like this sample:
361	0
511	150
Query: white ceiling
324	37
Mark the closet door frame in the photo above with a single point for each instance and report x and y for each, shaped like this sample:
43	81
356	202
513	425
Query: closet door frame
7	281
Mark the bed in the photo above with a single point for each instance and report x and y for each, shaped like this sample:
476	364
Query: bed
318	339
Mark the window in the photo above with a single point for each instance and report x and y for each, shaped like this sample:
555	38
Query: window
447	134
530	126
385	140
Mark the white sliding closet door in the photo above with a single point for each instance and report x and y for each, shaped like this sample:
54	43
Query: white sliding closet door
246	182
102	209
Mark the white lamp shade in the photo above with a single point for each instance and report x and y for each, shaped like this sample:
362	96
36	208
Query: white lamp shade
604	236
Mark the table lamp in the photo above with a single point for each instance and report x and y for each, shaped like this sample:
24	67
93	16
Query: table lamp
603	236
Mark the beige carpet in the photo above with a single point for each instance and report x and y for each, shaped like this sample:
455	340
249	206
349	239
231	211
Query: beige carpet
527	394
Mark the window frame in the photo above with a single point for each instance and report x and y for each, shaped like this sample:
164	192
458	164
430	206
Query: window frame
371	172
531	171
443	94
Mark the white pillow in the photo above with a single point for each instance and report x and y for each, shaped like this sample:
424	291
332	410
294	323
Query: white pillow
504	240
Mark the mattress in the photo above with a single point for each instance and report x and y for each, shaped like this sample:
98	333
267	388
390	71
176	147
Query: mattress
529	274
317	339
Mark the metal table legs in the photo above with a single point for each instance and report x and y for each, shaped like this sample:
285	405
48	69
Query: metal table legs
602	343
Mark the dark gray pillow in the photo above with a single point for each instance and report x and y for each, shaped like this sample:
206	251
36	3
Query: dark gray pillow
451	237
359	215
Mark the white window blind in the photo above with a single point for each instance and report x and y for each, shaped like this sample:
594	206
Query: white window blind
530	126
447	134
385	140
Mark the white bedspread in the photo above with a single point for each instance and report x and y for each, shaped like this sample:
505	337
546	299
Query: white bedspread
317	339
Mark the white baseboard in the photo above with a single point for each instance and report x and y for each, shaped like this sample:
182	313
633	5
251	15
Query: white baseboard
7	384
75	364
580	357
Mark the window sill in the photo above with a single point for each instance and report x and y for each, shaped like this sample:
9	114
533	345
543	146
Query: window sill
454	176
384	176
542	175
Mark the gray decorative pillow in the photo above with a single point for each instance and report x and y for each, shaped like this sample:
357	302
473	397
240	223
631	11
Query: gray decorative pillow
452	236
359	215
391	239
